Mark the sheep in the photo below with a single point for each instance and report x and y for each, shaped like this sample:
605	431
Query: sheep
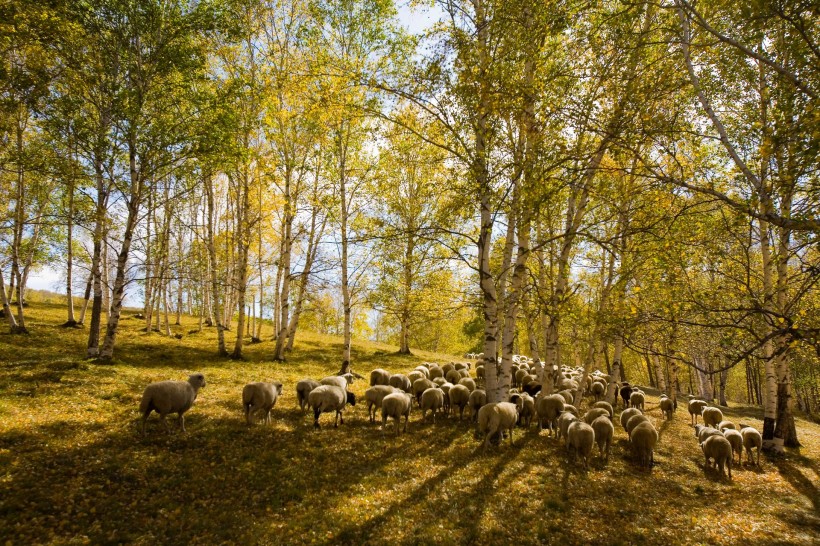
702	432
327	398
719	449
463	372
736	439
564	420
625	392
379	377
643	439
598	390
526	410
439	381
548	409
751	439
479	371
303	388
468	382
396	405
260	397
166	397
341	381
447	368
633	422
533	388
459	397
401	382
606	405
478	398
723	425
453	377
462	365
568	397
518	376
423	370
593	414
667	407
496	417
580	439
431	399
695	408
435	371
571	409
414	376
445	388
419	386
627	414
712	416
374	396
604	431
636	400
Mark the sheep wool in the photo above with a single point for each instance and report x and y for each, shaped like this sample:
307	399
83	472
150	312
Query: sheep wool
432	399
627	414
379	377
667	407
477	399
580	439
166	397
718	449
751	439
604	431
736	440
643	439
495	418
260	398
712	416
459	398
330	398
396	405
303	388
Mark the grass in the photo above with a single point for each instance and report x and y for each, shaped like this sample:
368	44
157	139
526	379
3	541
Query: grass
73	468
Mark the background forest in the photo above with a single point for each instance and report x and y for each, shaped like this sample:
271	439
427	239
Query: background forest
627	186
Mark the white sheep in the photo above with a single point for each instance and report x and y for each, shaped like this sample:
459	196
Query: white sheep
374	396
593	414
341	381
580	439
712	416
736	439
303	388
604	431
643	439
379	377
667	407
598	390
719	449
396	405
702	432
400	381
468	382
627	414
633	422
327	398
724	425
606	405
548	409
260	397
751	439
419	386
636	400
432	399
695	407
564	420
453	376
496	417
459	398
166	397
478	398
414	376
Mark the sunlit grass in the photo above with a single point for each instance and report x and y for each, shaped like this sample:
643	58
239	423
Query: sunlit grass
73	467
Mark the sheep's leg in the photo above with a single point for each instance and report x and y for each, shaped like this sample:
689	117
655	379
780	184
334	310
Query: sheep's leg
181	420
164	422
316	413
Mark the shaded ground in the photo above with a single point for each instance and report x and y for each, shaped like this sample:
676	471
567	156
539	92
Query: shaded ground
73	468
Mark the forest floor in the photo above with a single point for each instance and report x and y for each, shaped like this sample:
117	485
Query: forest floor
74	469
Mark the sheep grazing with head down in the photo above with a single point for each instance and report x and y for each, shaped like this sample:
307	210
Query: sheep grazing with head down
593	414
695	407
564	421
478	398
605	405
495	418
468	382
260	398
166	397
580	439
548	409
712	416
724	425
432	400
633	422
751	439
736	440
459	398
643	439
341	381
401	382
330	398
627	414
702	432
667	407
598	390
604	431
374	396
419	386
571	409
396	405
719	449
303	388
379	377
414	376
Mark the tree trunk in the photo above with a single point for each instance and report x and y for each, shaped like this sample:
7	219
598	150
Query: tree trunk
287	245
86	299
245	228
93	348
70	320
612	388
215	308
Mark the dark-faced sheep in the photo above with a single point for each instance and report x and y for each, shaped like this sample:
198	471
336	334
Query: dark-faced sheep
166	397
330	398
625	392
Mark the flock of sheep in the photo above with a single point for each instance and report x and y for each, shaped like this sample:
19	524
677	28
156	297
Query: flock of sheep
449	388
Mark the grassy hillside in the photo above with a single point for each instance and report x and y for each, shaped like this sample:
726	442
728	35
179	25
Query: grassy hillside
74	469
